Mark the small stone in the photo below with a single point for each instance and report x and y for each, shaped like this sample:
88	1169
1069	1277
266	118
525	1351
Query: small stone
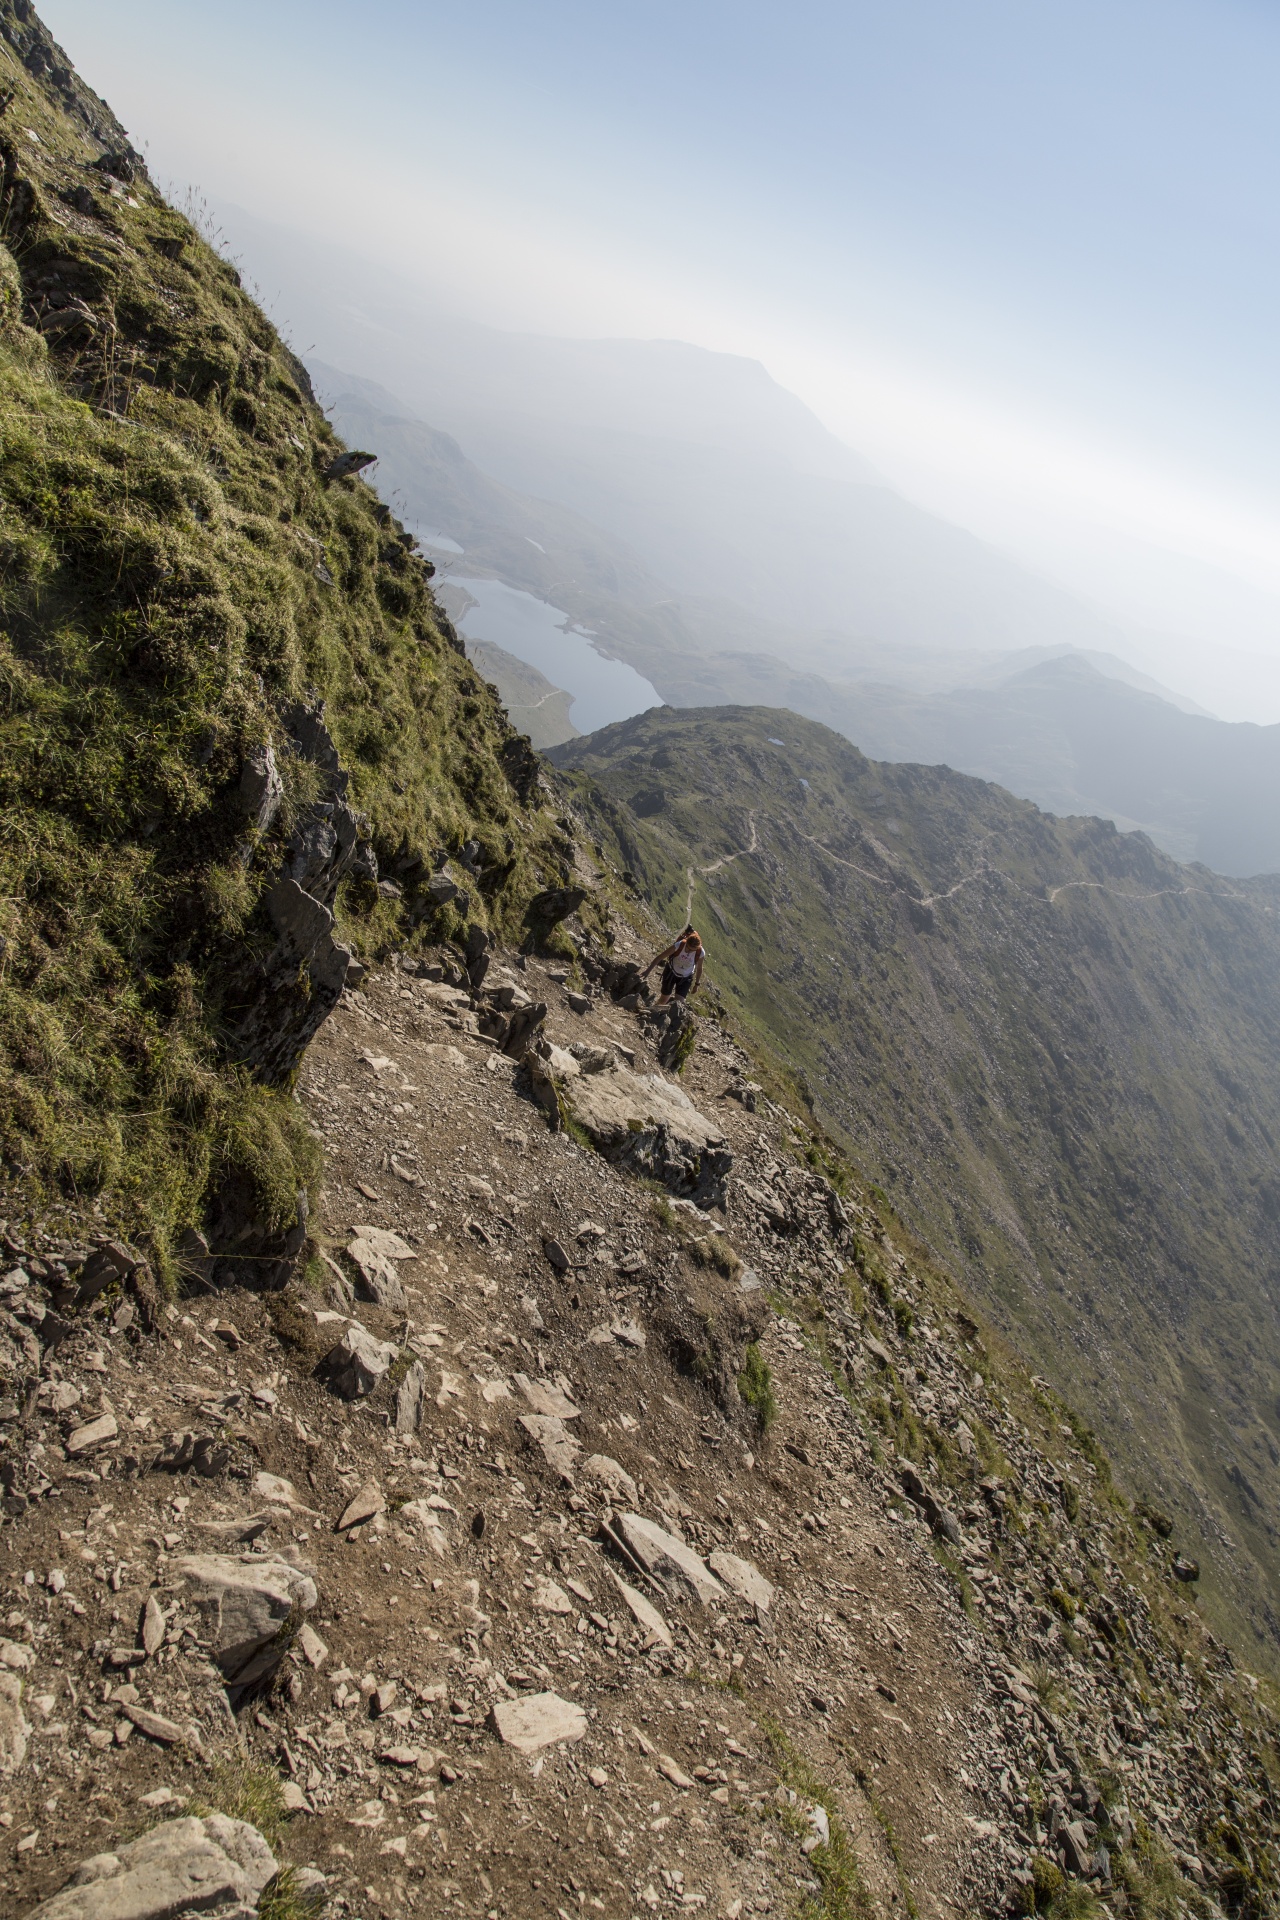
402	1756
579	1002
369	1501
155	1726
819	1834
557	1256
55	1580
536	1721
311	1646
669	1770
293	1798
14	1730
97	1433
598	1778
410	1395
153	1625
383	1698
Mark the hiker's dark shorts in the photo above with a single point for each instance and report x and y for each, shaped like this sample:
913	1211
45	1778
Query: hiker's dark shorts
677	983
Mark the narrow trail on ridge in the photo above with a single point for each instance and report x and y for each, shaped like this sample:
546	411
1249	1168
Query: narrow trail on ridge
1048	897
725	860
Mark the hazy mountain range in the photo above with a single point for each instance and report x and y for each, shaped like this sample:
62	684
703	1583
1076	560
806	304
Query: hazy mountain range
1078	731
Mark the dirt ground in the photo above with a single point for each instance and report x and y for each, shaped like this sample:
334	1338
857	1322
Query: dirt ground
485	1573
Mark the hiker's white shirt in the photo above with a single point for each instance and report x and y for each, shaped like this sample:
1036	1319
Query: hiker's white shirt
684	965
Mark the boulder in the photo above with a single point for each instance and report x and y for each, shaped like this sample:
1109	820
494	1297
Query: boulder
539	1720
354	1367
378	1280
650	1127
676	1567
249	1609
742	1578
216	1866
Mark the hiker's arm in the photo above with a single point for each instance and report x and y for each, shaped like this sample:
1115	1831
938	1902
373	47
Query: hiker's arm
656	960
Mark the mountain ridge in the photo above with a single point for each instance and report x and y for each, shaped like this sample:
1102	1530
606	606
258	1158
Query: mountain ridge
1017	1025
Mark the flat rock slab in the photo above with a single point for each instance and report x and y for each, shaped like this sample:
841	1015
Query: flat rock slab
742	1578
644	1613
549	1598
651	1126
558	1447
14	1731
539	1720
546	1398
98	1433
246	1608
214	1866
365	1505
676	1567
382	1243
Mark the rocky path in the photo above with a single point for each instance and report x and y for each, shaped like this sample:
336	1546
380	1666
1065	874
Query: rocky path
467	1544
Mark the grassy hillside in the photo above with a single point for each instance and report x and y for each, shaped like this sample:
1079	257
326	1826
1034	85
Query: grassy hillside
1051	1046
181	566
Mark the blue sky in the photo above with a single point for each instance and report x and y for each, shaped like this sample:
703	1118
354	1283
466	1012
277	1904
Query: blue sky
1025	256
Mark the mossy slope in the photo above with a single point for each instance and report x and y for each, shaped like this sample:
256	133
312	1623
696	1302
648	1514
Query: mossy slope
176	569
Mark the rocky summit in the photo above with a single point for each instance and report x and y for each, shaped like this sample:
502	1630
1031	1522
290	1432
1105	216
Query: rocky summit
470	1443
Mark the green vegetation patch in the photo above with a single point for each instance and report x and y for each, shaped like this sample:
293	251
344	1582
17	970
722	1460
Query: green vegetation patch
178	567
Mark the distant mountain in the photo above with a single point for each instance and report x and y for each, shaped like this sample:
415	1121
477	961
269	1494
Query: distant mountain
1075	741
1051	1046
1075	733
726	484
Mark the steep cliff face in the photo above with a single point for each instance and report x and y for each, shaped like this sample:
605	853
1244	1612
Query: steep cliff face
239	741
1047	1042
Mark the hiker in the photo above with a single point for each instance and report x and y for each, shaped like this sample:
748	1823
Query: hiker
681	967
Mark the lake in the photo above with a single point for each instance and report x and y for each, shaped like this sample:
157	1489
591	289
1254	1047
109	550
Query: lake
544	637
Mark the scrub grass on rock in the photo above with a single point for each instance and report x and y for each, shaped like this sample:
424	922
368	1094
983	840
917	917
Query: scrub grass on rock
175	571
